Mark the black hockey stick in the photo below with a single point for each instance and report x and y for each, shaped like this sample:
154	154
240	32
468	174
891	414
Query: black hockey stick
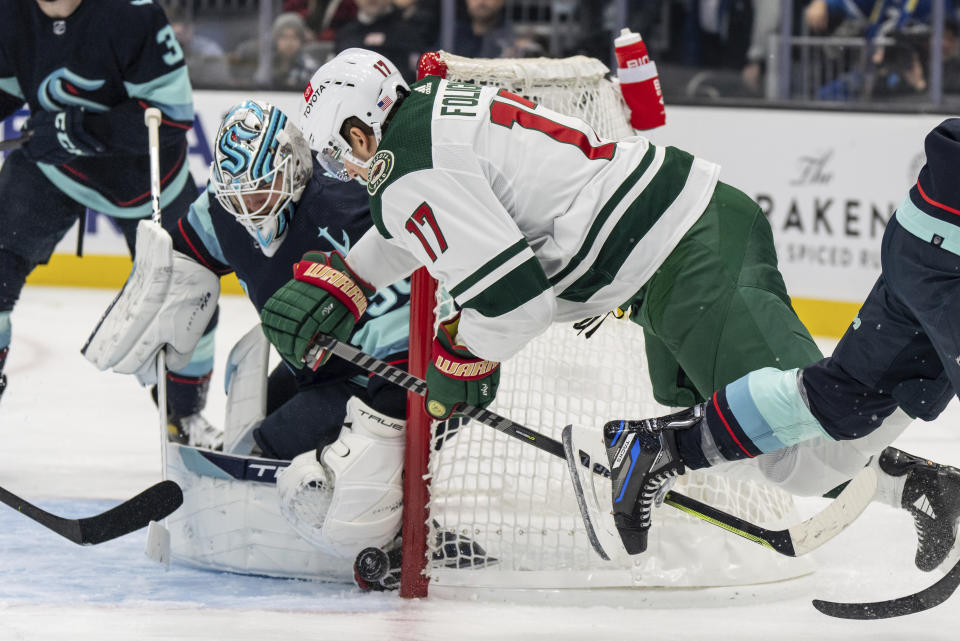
13	143
153	504
793	541
925	599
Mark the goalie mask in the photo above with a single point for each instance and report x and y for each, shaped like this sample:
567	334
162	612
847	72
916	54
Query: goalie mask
356	83
261	166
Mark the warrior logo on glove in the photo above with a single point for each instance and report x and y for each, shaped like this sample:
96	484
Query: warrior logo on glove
456	377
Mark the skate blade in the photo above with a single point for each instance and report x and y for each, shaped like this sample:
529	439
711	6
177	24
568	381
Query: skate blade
583	450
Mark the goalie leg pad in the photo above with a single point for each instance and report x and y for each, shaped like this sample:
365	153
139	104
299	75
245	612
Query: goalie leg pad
168	300
360	475
246	388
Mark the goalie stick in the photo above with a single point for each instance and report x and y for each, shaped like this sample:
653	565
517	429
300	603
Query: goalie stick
794	541
925	599
154	503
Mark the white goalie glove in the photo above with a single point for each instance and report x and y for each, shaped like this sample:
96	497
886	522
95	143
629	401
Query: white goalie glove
352	498
168	300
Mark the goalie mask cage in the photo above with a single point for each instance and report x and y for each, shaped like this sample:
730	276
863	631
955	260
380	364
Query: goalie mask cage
515	501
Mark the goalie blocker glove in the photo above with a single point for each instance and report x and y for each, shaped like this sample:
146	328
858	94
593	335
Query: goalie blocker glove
324	297
455	376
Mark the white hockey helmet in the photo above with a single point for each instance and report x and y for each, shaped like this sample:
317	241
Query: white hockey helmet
357	82
261	166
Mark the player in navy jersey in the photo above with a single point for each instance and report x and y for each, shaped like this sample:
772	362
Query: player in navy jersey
305	408
88	70
268	203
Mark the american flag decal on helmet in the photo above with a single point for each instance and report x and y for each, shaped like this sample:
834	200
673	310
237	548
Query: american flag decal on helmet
385	103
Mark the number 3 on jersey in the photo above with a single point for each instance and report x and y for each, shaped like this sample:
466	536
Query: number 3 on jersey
421	220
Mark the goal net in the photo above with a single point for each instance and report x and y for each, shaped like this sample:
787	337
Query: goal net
500	514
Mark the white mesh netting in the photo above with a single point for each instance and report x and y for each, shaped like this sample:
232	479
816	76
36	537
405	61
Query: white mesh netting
515	502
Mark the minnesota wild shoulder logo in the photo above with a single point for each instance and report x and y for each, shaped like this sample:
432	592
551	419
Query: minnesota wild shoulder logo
380	168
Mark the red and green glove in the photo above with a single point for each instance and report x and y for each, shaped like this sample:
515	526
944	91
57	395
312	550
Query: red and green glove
324	297
455	376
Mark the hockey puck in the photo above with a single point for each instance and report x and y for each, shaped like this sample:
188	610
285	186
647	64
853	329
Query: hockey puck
372	564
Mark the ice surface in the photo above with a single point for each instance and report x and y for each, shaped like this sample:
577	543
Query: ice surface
77	441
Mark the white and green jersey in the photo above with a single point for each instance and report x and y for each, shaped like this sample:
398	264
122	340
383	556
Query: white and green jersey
525	215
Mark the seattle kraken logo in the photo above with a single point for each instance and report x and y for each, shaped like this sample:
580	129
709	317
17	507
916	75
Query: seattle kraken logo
60	88
235	145
343	248
237	155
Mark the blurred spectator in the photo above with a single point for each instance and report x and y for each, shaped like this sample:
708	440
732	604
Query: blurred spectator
728	39
206	62
423	15
295	58
484	33
380	26
875	17
325	17
824	16
299	7
900	67
599	28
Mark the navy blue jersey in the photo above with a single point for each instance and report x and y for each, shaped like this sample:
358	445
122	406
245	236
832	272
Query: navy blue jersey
113	58
330	216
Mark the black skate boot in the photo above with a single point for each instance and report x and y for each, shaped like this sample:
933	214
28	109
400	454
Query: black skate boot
643	459
186	398
3	377
931	494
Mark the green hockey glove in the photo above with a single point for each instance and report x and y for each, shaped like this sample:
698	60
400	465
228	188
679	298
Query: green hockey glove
455	376
324	297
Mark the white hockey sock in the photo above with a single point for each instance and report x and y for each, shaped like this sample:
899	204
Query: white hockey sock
889	488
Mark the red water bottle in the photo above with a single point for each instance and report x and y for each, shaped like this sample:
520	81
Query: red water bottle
639	81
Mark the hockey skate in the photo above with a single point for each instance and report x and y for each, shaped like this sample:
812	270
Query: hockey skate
3	377
644	463
931	494
194	430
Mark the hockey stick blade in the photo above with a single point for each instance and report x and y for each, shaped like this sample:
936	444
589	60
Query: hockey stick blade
925	599
153	504
795	541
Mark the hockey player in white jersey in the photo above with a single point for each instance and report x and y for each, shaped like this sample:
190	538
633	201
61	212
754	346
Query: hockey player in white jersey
529	218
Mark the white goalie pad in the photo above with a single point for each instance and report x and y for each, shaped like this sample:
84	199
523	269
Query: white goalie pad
353	497
233	524
168	299
246	388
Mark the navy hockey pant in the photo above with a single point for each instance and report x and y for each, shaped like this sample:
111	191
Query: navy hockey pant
903	348
303	416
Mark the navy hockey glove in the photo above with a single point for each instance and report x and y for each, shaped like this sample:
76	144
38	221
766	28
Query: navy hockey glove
324	297
57	137
455	376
